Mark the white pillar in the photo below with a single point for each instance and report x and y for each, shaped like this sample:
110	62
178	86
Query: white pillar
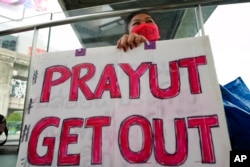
7	59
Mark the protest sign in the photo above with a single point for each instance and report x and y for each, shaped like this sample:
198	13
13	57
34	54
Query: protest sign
156	105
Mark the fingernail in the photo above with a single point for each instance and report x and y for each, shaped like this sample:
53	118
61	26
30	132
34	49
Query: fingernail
124	49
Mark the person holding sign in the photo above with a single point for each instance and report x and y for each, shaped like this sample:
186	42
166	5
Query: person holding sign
141	27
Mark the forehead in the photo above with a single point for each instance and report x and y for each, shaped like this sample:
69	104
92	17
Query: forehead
141	16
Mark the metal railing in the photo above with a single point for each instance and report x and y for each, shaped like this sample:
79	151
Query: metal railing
107	14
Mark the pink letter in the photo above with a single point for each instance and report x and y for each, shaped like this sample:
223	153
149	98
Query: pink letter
203	123
163	157
134	78
81	82
193	73
108	81
174	88
66	138
48	82
32	154
97	123
143	155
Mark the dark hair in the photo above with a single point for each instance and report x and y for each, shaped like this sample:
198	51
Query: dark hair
133	14
4	123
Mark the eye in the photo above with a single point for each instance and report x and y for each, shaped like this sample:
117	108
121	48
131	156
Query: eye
150	21
135	23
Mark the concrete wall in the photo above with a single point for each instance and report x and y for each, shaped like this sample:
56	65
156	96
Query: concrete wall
12	65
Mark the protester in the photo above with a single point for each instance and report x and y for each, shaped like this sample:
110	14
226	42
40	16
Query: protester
140	28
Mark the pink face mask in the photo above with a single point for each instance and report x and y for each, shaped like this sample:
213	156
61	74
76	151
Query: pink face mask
150	31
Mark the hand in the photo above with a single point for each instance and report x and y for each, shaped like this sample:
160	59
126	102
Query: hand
130	41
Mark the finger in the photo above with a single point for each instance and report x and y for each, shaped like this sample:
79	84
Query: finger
122	42
131	40
139	39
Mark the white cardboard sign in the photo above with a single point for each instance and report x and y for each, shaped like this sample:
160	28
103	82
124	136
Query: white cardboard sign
156	105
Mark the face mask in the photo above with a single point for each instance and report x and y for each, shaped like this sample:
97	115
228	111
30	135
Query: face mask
150	31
